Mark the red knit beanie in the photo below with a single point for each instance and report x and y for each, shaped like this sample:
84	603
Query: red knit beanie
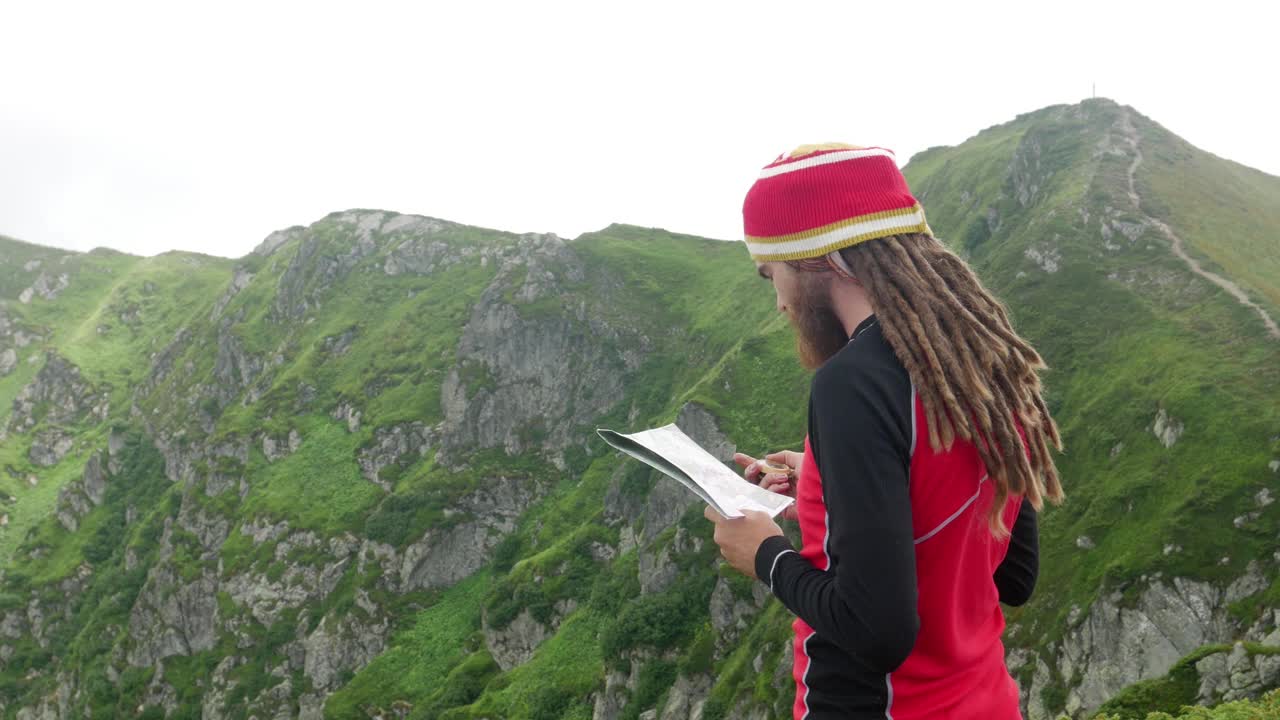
817	199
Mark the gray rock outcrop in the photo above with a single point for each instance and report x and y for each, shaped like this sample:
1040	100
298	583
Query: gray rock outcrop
58	396
77	498
1118	643
173	616
528	382
398	444
1236	675
445	555
46	286
342	644
1167	429
516	643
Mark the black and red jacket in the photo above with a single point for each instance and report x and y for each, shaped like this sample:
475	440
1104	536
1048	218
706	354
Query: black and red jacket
898	585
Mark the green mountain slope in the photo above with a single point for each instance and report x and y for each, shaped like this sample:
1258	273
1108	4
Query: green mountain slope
354	474
1164	385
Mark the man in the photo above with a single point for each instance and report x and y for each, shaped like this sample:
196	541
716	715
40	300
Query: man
928	440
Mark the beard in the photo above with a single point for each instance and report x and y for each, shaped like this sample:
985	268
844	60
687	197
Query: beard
819	333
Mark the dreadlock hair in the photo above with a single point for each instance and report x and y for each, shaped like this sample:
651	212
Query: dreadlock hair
976	378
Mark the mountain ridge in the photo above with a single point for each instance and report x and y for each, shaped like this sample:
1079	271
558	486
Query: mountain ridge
466	550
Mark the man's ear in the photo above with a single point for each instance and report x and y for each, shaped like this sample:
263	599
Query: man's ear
839	266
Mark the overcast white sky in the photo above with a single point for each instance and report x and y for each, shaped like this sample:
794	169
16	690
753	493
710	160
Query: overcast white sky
205	126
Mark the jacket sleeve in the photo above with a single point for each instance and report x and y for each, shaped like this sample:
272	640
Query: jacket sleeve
866	602
1016	575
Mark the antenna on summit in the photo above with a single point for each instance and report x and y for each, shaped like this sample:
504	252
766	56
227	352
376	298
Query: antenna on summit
1094	93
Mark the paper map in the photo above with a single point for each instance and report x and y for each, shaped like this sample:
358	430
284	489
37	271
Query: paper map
671	452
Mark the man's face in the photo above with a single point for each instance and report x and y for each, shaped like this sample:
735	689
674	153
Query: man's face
806	299
784	280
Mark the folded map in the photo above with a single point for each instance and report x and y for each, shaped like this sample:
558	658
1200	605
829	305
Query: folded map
668	450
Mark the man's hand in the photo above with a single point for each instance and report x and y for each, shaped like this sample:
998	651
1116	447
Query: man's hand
773	482
739	538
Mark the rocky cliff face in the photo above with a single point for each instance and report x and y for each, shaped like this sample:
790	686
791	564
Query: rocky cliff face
1118	642
535	375
57	399
1238	674
77	499
14	336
